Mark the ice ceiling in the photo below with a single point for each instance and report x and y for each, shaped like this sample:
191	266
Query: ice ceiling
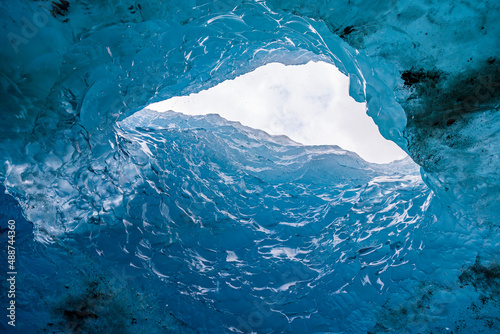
81	159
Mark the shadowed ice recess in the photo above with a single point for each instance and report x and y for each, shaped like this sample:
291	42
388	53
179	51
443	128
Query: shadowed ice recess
134	221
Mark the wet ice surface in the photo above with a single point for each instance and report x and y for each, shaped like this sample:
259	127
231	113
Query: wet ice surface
198	225
222	228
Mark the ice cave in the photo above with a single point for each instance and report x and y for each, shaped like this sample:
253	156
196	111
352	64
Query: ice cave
116	218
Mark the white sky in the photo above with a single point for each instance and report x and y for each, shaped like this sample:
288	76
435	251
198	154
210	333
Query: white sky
308	103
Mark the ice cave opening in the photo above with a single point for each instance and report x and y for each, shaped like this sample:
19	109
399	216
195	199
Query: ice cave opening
308	103
129	220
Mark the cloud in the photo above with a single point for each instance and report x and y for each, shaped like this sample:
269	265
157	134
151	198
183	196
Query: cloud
308	103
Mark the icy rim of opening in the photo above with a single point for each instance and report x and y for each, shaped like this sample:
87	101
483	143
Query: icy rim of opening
429	74
308	103
55	55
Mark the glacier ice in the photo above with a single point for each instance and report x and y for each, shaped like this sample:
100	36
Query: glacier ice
131	221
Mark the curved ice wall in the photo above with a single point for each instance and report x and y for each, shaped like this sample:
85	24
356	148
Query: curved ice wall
73	71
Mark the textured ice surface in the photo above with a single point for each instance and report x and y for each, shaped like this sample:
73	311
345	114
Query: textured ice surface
155	223
208	226
446	58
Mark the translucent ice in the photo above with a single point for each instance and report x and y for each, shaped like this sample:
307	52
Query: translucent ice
140	222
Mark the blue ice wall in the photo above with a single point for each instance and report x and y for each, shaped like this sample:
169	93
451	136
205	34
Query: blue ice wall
222	228
446	56
207	226
140	222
